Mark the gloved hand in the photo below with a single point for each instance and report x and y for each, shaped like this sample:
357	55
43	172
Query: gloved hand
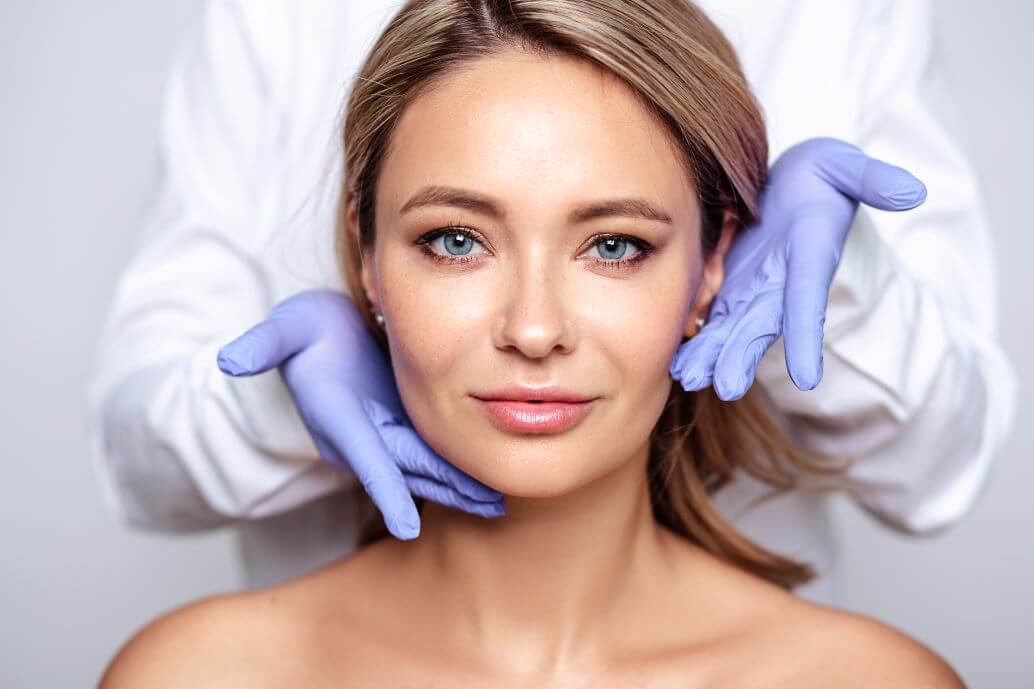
778	271
345	392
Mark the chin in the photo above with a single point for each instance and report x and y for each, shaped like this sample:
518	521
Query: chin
527	486
547	471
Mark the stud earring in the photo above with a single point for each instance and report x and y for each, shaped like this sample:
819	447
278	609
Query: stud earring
377	317
700	322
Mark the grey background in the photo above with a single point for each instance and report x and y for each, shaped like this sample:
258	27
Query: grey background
81	87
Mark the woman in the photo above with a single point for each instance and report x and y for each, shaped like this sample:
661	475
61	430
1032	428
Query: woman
536	210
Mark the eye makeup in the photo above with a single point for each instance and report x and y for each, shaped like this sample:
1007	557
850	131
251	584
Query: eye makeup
643	248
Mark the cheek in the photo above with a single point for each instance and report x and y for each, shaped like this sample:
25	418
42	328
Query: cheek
425	331
641	322
437	330
645	326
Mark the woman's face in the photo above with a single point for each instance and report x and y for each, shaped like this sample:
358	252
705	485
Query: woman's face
493	270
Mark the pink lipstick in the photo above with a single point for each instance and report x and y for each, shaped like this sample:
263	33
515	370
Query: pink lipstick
522	409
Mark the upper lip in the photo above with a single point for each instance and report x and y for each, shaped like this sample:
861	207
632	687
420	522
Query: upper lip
525	393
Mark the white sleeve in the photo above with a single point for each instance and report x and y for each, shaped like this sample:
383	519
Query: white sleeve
177	445
915	385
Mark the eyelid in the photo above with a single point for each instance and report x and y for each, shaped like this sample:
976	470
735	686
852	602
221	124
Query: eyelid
638	243
428	237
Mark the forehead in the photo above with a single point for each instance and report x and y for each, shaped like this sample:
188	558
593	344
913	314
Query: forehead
534	130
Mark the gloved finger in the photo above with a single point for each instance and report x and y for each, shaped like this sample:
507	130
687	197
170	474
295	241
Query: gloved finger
414	456
756	328
809	272
873	182
361	449
442	494
693	362
263	346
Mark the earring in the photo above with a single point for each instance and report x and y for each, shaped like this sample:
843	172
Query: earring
700	322
377	317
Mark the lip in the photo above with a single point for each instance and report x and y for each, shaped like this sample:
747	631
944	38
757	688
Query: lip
535	417
525	393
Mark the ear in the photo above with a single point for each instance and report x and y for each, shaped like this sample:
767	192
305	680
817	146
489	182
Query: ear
365	256
713	274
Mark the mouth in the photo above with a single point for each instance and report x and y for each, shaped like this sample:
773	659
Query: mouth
535	416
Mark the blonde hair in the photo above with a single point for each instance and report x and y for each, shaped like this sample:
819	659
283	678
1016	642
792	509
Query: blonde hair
684	71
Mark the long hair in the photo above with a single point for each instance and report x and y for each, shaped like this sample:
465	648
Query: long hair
682	70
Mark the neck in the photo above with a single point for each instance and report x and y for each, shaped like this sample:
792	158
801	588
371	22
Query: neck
541	584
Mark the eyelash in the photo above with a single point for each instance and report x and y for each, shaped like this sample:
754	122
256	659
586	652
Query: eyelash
645	248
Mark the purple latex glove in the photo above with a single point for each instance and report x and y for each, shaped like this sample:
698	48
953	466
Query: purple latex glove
778	271
345	392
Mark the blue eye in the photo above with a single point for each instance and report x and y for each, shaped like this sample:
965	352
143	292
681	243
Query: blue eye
613	248
457	243
454	243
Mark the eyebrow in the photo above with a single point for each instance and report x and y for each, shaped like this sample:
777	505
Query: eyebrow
437	195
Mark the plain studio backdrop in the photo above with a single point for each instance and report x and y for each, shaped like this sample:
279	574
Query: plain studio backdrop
81	87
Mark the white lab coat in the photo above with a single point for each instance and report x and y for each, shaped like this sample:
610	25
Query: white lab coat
915	385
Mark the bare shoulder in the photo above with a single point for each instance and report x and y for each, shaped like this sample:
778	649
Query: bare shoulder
834	648
880	655
287	635
222	641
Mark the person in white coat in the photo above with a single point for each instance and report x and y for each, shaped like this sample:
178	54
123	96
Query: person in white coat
914	386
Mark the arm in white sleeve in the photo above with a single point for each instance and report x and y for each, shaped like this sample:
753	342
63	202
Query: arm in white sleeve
915	386
178	445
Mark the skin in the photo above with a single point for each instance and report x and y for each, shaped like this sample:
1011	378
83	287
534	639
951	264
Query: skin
577	585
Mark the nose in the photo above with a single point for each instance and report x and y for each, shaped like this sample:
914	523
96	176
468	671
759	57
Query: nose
534	319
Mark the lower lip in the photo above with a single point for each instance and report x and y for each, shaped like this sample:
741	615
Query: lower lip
541	417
